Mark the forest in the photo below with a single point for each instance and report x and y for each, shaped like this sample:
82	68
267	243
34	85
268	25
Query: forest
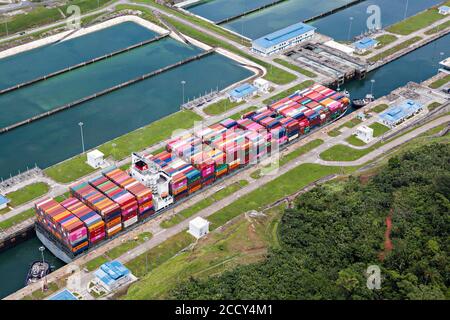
336	231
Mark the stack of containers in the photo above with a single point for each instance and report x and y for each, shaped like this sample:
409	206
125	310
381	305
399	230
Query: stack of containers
292	128
66	227
126	201
203	162
105	207
92	221
228	123
142	194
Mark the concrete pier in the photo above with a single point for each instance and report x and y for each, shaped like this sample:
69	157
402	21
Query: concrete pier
106	91
82	64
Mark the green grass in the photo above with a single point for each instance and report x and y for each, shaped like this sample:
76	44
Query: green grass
438	28
27	193
246	241
8	223
40	16
378	129
278	188
380	108
221	107
239	114
289	91
206	202
353	140
126	246
160	254
334	133
433	106
295	68
351	123
394	49
139	139
274	74
440	82
417	22
4	210
341	152
95	263
385	39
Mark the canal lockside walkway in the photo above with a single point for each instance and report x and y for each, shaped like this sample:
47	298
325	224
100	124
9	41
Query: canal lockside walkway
160	234
424	34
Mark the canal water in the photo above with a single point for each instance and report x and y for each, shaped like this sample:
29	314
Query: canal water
55	138
341	28
46	95
41	61
14	264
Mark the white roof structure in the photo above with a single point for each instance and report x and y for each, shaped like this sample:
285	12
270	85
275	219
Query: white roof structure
95	154
339	46
260	82
199	222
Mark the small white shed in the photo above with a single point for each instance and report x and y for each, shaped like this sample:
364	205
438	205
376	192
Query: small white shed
364	133
95	159
198	227
262	85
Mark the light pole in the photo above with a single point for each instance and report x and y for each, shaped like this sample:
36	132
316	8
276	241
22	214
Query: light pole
146	257
6	26
82	137
182	86
406	9
42	249
371	86
350	28
114	151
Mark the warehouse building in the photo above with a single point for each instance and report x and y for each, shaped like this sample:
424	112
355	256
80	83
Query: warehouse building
364	45
444	10
243	92
282	39
397	114
198	227
112	275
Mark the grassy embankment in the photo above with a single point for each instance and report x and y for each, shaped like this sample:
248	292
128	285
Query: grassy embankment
221	107
418	21
206	202
41	16
378	130
139	139
385	39
239	114
391	51
27	193
440	82
349	124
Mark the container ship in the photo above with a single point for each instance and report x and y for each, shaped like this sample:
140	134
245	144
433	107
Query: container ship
114	202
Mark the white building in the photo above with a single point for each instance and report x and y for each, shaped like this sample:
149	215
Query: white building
262	85
3	202
112	275
283	39
198	227
95	159
364	134
444	10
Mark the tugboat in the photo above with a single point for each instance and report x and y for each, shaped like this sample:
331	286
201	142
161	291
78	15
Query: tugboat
37	271
358	103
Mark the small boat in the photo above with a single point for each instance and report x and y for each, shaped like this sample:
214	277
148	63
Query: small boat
37	271
358	103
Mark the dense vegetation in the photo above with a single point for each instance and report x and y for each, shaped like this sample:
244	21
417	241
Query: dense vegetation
336	231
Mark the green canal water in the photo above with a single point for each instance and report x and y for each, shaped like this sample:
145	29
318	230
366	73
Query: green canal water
41	61
46	95
338	25
15	262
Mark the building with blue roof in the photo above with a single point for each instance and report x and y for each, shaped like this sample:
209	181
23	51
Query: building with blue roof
242	92
3	202
63	295
282	39
444	10
399	113
111	275
365	44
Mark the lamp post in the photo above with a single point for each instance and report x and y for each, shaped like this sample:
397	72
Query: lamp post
371	86
114	151
82	136
182	87
406	9
42	249
146	257
350	28
6	26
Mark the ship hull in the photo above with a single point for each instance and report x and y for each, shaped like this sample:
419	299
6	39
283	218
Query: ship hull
50	245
